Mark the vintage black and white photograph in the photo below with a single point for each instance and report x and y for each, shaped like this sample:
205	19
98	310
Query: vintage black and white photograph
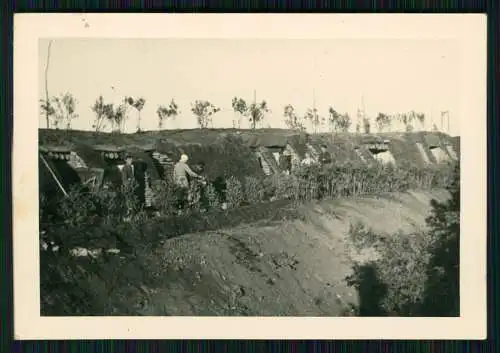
249	177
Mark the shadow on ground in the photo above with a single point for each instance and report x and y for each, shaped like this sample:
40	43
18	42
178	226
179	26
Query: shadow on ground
371	291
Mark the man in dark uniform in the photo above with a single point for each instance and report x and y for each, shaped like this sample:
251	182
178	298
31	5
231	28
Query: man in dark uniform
128	177
325	157
140	171
285	162
128	169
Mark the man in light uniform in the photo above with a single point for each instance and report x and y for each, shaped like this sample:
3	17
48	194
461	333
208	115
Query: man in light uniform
181	181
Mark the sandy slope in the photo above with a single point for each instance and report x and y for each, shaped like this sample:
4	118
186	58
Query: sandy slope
294	268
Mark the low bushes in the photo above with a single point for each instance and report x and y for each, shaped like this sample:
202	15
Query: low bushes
314	182
254	190
234	192
163	196
82	211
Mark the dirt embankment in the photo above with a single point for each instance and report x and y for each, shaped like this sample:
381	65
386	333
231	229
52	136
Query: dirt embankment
293	268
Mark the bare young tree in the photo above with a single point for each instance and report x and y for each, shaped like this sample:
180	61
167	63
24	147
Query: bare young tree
383	122
256	113
421	118
49	111
60	109
121	114
345	122
338	122
409	118
240	107
204	111
138	105
313	116
333	117
165	113
117	116
102	112
292	120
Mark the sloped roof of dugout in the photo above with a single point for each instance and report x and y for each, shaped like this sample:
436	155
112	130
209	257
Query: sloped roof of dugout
339	146
432	140
90	156
223	156
55	148
48	168
370	139
108	148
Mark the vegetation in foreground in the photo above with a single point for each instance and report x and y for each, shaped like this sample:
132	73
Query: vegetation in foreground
103	283
416	274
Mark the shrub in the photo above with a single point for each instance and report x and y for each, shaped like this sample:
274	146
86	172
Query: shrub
402	264
254	190
212	196
286	187
128	194
270	186
79	208
361	237
400	268
197	200
443	273
234	192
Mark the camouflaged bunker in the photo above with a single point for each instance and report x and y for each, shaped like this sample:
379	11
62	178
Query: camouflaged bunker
95	159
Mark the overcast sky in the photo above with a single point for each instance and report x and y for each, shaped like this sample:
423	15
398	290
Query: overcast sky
389	75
